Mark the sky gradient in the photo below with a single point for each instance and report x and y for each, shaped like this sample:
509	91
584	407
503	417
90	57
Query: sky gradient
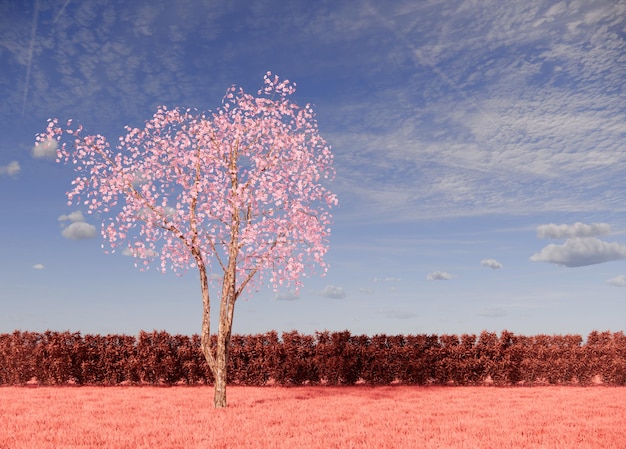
479	147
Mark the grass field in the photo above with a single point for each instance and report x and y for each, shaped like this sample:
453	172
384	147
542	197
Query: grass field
313	417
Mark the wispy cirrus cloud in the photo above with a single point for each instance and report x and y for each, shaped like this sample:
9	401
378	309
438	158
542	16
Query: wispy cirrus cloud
499	109
522	122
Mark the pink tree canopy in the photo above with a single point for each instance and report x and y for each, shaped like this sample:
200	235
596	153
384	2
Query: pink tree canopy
175	190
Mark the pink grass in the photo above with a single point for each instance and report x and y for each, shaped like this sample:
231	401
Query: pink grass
313	417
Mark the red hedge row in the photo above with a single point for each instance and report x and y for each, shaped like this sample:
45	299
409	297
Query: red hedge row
333	358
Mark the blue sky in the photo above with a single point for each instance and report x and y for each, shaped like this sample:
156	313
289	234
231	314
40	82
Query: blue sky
479	147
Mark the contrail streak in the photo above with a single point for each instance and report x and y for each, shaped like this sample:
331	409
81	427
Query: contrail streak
33	33
61	11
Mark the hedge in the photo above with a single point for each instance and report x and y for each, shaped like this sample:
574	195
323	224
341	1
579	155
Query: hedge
329	358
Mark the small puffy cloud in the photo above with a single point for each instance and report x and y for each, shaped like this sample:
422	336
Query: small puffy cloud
579	252
439	276
618	281
491	263
79	230
39	266
333	291
578	229
46	149
286	296
11	169
73	216
147	253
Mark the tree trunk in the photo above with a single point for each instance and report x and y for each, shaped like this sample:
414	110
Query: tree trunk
216	354
220	377
217	358
227	308
218	361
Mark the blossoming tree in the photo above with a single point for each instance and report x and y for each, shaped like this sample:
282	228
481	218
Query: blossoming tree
239	192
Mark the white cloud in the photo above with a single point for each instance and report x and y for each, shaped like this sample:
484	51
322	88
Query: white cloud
577	229
618	281
11	169
491	263
79	230
147	253
73	216
439	276
333	291
39	266
46	149
579	252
